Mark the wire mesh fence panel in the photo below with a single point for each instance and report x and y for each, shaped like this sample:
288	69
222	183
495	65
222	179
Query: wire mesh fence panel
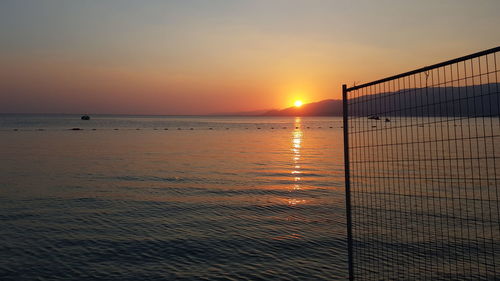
423	171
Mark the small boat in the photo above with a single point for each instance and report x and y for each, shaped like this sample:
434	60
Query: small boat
85	117
374	117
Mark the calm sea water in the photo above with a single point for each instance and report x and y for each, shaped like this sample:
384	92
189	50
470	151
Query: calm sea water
171	198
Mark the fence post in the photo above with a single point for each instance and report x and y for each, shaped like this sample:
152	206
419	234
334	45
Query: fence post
345	114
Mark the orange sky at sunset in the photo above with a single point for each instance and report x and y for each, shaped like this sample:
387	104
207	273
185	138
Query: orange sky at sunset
201	57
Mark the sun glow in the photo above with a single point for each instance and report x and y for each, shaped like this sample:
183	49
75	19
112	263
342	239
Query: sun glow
298	103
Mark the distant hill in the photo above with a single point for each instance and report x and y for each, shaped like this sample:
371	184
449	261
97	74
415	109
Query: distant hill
322	108
476	100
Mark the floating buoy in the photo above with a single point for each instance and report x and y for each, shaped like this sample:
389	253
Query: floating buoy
115	129
179	129
191	129
85	117
210	128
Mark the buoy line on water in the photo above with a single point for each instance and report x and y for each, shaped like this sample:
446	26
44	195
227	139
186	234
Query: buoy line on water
166	129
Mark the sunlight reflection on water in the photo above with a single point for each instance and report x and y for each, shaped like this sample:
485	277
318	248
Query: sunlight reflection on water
174	204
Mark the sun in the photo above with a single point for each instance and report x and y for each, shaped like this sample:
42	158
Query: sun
298	103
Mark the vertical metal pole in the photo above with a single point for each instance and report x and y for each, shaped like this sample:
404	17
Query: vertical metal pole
347	182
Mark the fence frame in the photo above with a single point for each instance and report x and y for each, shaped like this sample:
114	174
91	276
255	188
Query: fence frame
345	106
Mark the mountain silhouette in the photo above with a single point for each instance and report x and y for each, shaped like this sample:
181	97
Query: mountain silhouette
321	108
474	100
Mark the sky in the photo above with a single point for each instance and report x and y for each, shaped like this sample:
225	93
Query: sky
214	56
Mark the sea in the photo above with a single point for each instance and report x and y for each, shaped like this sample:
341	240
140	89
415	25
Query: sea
171	198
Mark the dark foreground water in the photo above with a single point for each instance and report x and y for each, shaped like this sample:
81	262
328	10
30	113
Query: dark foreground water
149	198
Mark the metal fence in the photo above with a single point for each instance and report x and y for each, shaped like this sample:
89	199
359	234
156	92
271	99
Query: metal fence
422	162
